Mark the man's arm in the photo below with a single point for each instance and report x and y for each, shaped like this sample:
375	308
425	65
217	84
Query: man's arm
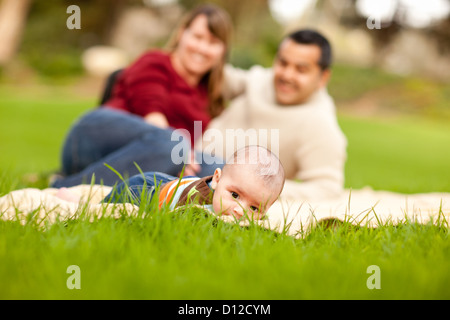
234	82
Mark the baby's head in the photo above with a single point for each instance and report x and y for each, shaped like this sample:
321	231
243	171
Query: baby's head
249	183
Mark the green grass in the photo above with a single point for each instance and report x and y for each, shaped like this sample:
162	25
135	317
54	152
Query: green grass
408	155
390	93
34	122
191	256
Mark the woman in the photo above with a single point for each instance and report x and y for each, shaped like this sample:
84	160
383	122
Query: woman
160	92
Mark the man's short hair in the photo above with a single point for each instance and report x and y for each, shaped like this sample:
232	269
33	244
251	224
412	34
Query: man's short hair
309	36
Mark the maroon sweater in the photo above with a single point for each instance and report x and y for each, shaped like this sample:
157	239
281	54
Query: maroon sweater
151	84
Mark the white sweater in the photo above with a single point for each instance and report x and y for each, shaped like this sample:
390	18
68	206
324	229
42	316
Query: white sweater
306	137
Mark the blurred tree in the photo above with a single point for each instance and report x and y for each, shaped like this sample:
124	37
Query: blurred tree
387	30
13	15
441	32
399	43
50	48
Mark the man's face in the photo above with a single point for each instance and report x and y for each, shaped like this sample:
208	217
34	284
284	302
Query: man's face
297	74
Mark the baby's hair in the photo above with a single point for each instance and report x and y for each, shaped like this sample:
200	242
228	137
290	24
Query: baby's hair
266	164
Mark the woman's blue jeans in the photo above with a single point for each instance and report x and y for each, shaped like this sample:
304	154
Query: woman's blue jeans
121	140
137	188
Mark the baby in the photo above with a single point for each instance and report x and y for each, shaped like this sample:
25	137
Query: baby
249	183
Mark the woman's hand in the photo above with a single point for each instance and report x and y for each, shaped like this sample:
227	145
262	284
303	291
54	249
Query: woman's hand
192	168
157	119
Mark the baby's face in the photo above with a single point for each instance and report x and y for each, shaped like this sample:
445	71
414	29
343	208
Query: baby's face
240	192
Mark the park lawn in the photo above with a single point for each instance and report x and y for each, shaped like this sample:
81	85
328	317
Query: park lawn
34	122
407	155
194	257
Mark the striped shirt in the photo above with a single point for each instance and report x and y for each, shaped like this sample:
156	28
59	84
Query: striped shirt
171	191
187	190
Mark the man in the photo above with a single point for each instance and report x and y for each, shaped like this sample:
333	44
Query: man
290	99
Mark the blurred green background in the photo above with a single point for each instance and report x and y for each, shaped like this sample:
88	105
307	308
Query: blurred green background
390	75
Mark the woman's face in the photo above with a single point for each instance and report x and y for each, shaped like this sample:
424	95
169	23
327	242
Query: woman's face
198	49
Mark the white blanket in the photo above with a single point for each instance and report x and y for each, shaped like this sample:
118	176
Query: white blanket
363	207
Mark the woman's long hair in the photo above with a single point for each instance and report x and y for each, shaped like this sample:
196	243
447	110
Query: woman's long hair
219	24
